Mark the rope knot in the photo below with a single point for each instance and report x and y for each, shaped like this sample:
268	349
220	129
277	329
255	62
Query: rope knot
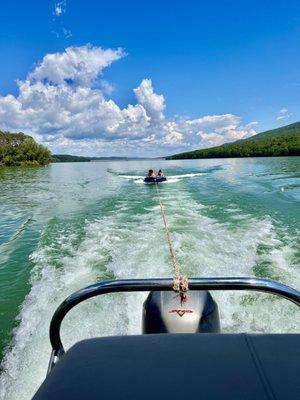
181	286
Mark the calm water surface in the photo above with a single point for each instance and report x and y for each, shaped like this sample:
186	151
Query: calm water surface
67	225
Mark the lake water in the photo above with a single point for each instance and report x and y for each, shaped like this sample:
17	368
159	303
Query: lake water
68	225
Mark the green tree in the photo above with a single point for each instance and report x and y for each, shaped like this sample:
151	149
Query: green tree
19	149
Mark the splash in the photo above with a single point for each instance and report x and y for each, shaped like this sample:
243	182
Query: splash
170	178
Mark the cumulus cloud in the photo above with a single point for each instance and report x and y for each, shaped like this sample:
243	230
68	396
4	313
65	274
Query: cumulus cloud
153	103
76	65
216	138
283	114
172	134
64	102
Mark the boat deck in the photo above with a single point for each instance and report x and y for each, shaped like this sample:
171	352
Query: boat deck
178	366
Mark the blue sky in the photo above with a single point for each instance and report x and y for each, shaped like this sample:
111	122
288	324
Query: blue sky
212	72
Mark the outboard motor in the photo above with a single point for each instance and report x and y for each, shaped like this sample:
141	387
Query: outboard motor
164	313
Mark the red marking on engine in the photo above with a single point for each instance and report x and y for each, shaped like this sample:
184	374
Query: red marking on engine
180	312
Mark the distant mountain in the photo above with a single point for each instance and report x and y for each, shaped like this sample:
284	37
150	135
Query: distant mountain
284	141
117	158
70	158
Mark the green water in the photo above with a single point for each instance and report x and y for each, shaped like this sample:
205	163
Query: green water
67	225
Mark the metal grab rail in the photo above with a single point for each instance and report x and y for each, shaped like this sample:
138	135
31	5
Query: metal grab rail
164	284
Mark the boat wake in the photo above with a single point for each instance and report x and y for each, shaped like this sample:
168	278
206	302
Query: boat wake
126	240
170	178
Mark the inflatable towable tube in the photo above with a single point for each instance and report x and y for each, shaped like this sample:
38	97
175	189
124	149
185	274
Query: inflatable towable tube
152	179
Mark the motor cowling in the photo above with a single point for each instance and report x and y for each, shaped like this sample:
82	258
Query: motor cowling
163	312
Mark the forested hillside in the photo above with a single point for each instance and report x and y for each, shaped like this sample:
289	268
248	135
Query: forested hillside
283	141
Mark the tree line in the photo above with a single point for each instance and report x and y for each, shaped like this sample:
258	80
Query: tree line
18	149
69	158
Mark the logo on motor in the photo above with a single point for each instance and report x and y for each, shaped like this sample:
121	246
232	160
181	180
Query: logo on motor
180	312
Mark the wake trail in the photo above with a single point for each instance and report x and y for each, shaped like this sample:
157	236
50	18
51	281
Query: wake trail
129	242
170	178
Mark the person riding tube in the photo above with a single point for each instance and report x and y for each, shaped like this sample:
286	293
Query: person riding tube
150	174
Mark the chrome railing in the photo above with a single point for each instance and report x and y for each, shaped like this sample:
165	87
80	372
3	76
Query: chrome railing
165	284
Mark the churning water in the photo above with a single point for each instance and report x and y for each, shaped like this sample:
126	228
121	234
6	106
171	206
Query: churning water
68	225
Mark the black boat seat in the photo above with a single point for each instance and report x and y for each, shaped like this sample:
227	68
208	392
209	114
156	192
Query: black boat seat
178	366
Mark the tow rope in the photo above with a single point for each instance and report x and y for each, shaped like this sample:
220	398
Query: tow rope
180	282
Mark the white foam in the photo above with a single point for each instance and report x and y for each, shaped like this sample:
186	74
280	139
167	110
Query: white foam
131	177
182	176
170	178
120	246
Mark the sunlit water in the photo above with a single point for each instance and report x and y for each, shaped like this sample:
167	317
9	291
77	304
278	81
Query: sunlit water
68	225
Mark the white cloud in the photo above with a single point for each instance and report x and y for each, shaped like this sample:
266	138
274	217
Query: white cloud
283	114
172	134
60	8
76	65
153	103
63	103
